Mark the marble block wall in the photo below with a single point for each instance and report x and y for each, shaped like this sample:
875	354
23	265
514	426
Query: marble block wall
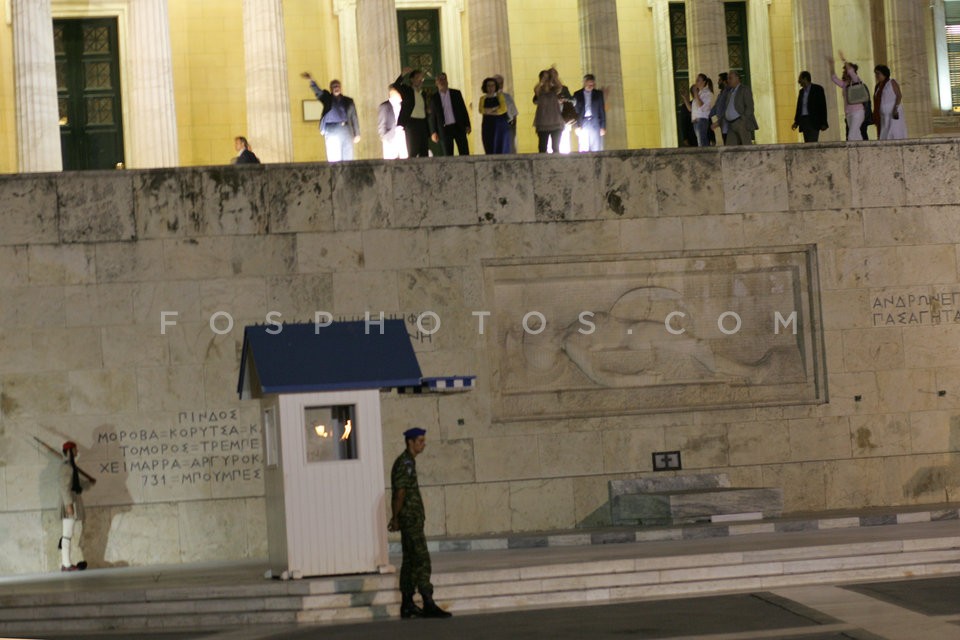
123	296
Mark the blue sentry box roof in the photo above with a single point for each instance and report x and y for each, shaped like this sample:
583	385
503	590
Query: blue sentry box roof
344	355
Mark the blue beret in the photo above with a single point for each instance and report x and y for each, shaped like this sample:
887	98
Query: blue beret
416	432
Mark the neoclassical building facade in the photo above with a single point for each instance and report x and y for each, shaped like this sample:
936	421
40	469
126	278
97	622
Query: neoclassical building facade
173	81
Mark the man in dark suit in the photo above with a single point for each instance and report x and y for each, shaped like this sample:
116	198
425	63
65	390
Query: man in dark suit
413	112
591	116
391	134
735	113
247	156
811	114
718	104
449	119
339	124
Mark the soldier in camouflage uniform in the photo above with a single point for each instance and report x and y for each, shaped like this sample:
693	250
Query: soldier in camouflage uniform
407	518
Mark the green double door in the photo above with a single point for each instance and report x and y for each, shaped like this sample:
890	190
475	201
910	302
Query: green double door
88	90
419	32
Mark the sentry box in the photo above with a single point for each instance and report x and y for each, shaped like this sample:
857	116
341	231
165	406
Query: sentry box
319	392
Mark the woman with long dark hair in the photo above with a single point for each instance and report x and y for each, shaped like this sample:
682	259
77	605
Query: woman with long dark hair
698	105
548	120
700	109
496	131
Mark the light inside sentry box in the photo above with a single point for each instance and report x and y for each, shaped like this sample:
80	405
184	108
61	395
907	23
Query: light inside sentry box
330	433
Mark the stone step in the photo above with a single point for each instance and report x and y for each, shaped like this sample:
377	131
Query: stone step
682	578
187	606
357	584
596	589
372	590
513	596
356	614
139	623
604	595
375	597
904	515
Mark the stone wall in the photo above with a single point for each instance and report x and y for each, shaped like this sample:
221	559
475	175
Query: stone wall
863	409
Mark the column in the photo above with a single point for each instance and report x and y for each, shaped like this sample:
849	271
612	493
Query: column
814	43
878	33
490	43
268	96
378	50
153	130
667	96
907	49
600	55
761	70
490	56
35	78
706	38
346	12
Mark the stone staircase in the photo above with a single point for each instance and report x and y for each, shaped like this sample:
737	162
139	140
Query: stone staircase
603	581
484	581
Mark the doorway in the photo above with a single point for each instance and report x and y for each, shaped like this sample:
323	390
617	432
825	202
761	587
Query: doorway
88	92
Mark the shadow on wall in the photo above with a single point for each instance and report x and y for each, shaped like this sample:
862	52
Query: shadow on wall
938	482
599	517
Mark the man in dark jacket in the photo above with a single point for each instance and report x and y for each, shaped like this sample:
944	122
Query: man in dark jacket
449	119
339	124
413	112
735	112
591	116
811	114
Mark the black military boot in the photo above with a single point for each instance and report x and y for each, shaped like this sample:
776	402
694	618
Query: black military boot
408	608
431	610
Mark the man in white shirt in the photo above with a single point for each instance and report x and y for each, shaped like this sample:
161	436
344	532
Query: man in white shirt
591	116
413	112
391	133
339	124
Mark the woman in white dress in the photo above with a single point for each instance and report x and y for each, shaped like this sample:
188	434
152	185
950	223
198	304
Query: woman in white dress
893	124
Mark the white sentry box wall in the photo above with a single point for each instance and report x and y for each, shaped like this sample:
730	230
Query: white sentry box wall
324	518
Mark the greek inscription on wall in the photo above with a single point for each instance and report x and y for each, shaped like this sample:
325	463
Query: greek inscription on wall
915	307
194	455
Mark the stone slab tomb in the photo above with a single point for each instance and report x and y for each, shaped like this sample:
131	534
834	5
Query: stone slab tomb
688	499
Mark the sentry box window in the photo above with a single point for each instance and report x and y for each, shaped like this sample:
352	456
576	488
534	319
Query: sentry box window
330	433
270	436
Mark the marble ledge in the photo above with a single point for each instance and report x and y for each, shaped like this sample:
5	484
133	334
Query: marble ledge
476	190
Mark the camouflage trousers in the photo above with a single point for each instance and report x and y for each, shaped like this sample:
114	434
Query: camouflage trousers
415	569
